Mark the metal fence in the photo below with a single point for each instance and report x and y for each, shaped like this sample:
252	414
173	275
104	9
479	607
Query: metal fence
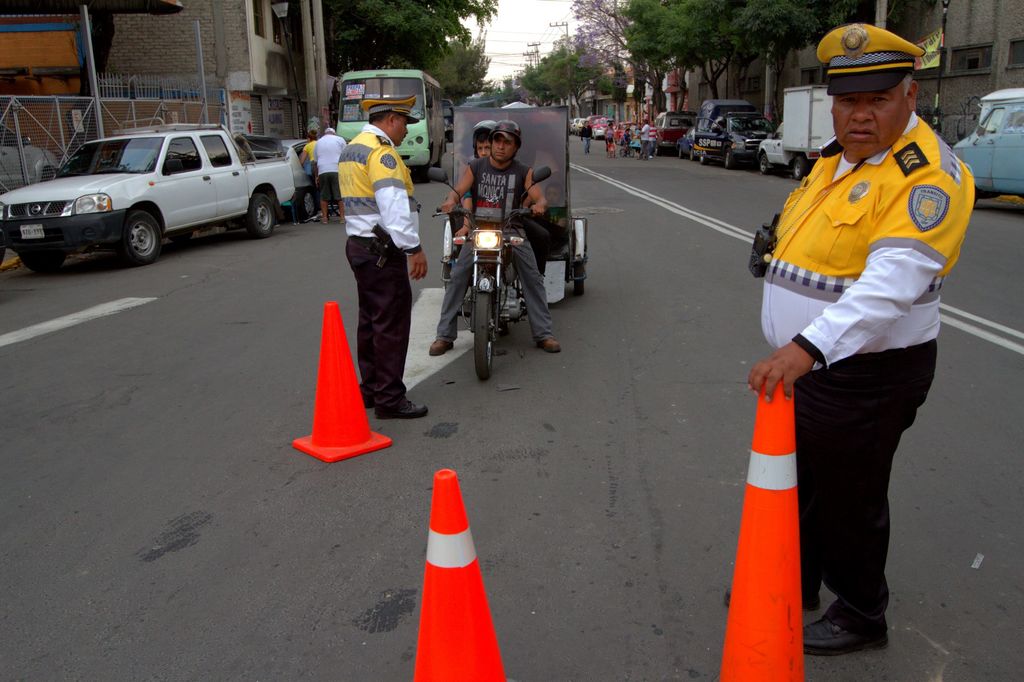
38	134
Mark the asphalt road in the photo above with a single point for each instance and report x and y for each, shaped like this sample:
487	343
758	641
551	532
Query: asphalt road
156	524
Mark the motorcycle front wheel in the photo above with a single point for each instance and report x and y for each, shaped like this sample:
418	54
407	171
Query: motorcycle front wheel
483	343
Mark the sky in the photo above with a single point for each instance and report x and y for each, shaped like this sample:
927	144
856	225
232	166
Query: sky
518	23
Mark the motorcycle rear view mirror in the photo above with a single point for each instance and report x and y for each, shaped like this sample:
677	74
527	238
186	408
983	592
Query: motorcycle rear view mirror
540	174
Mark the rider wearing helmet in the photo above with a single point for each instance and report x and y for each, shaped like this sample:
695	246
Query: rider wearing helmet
496	185
482	138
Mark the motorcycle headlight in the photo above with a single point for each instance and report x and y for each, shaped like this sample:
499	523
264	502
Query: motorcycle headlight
486	239
93	203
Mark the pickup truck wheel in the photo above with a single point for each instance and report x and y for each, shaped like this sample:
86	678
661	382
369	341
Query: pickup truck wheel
729	161
763	165
140	239
260	221
800	168
43	261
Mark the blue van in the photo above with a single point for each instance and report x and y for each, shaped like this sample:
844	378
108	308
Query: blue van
995	150
729	131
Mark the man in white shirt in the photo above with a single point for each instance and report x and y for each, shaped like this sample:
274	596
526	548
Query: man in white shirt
326	155
645	139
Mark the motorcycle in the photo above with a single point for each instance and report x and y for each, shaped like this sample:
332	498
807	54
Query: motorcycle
495	295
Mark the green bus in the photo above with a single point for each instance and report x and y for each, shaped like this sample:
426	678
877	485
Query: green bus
424	144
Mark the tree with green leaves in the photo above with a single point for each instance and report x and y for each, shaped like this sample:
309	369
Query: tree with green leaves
566	72
463	70
376	34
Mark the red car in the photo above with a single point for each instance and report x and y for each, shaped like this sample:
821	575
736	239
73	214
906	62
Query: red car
599	124
671	126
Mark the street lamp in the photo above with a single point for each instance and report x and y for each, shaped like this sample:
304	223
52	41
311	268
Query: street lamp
281	12
937	116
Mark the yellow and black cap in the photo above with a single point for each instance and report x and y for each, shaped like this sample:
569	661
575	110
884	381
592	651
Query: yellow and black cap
865	58
399	106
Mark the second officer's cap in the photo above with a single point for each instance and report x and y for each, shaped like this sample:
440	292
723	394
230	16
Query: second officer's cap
865	58
399	106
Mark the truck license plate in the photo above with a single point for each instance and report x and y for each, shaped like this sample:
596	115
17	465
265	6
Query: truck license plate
32	232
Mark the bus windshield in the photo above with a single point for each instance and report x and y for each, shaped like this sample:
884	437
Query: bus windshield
358	89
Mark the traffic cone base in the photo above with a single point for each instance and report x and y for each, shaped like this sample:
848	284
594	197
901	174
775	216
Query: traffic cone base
329	454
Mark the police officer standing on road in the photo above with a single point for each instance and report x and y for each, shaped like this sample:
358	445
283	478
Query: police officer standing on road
851	302
384	251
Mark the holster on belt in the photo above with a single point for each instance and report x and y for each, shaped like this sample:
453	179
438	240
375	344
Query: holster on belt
382	245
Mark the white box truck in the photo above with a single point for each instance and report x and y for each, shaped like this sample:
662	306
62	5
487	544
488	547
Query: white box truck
806	127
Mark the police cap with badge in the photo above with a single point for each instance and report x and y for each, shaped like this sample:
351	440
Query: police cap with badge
399	106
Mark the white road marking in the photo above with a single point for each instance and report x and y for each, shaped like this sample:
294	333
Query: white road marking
56	324
418	364
744	236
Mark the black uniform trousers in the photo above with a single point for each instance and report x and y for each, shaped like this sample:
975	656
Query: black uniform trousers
849	419
385	316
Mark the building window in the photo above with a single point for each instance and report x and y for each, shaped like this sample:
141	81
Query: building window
1016	53
972	58
810	76
257	18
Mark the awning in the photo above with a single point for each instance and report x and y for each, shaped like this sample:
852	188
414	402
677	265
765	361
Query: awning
73	6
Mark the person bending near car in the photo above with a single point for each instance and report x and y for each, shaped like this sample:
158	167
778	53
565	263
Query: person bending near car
496	185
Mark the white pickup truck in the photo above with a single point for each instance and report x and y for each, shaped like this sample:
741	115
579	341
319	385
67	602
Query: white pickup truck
130	191
797	143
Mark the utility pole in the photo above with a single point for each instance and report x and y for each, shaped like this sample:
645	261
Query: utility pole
937	119
568	64
533	56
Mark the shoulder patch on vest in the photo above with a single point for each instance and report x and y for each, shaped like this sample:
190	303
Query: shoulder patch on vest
927	206
388	161
910	158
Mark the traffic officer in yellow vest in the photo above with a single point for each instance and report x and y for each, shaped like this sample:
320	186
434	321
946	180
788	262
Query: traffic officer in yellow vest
383	249
851	303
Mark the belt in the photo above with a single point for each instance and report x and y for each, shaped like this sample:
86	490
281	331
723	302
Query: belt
363	241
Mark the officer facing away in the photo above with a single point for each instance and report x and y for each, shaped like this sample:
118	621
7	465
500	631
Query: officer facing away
851	303
384	251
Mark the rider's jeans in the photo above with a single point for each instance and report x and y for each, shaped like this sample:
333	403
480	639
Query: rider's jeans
533	291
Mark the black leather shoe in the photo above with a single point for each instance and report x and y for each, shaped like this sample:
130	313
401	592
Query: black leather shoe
405	410
825	638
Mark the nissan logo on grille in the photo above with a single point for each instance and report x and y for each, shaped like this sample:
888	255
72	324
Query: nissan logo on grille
35	209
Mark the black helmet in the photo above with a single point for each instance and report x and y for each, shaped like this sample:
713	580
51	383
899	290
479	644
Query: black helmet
483	129
509	128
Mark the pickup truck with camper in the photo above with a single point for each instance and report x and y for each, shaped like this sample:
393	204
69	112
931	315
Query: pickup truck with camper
130	191
995	150
729	131
797	143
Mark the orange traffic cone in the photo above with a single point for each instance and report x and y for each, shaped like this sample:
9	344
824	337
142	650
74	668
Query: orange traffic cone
764	634
340	427
457	640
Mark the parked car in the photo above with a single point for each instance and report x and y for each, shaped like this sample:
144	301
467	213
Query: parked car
129	191
732	138
995	150
684	145
40	164
264	147
672	125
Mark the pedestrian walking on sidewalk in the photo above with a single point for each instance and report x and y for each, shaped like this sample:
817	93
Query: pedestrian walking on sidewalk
851	303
